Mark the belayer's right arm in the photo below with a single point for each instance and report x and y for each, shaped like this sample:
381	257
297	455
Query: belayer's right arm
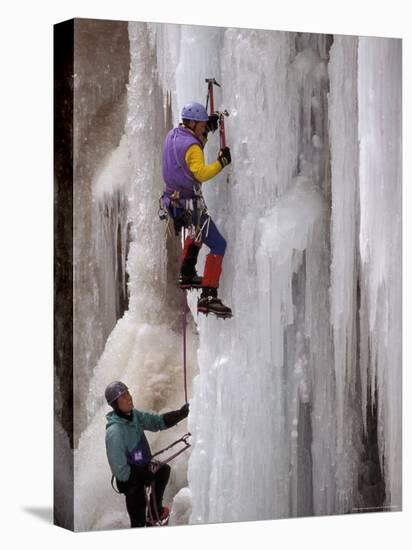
195	160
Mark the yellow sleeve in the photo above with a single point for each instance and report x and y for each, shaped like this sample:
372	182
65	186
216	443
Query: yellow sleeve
195	161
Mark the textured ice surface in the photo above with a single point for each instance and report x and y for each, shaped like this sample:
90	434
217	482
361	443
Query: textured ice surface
310	207
181	508
380	183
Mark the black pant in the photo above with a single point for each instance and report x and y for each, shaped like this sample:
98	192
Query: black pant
135	494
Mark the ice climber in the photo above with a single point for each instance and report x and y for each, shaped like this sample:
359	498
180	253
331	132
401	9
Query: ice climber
129	454
184	171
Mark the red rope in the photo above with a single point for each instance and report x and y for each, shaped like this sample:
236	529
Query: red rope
184	305
184	324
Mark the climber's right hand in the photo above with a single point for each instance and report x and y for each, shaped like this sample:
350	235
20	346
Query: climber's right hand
224	156
212	123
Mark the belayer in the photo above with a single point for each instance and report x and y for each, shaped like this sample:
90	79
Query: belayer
129	454
184	171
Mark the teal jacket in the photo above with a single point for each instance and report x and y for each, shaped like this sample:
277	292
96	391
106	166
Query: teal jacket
123	436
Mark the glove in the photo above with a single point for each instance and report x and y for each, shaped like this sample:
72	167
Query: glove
173	417
224	156
212	123
185	410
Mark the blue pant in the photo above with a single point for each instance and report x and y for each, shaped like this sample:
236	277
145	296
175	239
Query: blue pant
212	238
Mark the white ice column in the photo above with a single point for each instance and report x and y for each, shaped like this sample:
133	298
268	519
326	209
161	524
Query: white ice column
260	371
343	119
380	104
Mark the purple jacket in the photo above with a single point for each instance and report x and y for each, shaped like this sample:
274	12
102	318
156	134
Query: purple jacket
176	174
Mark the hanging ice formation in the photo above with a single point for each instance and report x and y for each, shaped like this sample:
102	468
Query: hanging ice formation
296	406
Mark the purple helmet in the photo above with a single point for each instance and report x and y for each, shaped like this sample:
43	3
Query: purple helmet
195	111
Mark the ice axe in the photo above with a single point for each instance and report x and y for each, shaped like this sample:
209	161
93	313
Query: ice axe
210	82
221	115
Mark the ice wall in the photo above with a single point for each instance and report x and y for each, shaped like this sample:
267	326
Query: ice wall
296	402
257	372
286	385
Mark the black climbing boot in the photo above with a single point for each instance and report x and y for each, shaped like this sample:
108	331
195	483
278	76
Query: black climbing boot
190	281
210	303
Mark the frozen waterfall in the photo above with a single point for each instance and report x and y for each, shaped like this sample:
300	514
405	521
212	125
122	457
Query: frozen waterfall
295	402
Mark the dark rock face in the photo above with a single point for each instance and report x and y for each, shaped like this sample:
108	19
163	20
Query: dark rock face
91	75
101	65
371	481
91	68
63	259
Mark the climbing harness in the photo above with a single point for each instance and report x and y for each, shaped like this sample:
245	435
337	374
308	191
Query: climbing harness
154	464
193	214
